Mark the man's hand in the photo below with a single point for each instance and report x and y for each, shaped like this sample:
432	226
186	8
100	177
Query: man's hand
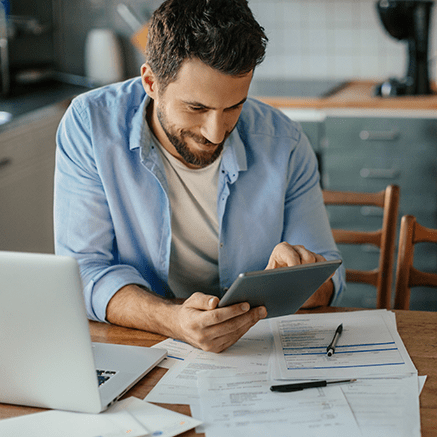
214	329
285	255
196	321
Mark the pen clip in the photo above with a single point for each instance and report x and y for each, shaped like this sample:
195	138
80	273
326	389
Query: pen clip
331	348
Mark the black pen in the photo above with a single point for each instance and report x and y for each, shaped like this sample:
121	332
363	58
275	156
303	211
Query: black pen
303	385
331	348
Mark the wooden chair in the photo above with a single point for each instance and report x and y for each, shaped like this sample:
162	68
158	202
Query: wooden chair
383	238
411	232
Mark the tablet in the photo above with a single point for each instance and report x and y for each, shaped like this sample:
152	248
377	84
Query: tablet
283	290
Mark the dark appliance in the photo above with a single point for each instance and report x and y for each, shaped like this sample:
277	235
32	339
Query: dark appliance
26	45
408	21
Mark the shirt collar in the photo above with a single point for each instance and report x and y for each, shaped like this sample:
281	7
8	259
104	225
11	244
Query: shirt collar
140	132
234	156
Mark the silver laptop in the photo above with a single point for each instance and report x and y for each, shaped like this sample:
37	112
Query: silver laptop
47	358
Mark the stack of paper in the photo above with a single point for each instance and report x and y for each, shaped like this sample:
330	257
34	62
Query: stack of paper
131	417
230	392
369	346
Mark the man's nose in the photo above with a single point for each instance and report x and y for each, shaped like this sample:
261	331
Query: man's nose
214	127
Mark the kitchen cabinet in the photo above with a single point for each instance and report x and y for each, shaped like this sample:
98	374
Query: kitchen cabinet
368	142
368	151
27	162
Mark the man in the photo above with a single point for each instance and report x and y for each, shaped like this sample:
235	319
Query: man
170	185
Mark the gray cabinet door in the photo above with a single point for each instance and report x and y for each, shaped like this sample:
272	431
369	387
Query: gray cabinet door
367	154
27	162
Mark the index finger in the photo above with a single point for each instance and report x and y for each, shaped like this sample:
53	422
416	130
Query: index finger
237	313
283	255
307	257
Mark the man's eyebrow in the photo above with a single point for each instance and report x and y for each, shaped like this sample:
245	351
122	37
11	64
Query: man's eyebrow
238	104
201	105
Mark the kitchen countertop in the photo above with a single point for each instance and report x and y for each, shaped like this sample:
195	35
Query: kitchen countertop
27	100
356	94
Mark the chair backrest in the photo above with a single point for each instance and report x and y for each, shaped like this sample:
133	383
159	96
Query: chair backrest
411	232
383	238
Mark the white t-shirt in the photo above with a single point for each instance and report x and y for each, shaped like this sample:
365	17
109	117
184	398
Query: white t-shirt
194	225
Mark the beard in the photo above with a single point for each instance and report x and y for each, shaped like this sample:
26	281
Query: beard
197	158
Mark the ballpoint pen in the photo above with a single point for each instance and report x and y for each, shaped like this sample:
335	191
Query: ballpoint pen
331	348
303	385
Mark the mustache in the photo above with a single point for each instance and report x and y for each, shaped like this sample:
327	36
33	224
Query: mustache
202	140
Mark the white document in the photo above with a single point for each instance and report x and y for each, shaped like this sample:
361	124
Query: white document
179	384
422	380
157	420
243	405
369	346
386	407
54	423
131	417
177	352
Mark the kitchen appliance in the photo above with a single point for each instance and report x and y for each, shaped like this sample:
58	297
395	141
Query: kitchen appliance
408	21
103	57
26	45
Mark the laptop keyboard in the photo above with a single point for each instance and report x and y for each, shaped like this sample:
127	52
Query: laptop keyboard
104	375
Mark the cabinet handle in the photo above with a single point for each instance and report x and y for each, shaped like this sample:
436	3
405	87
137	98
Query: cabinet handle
388	135
4	162
379	173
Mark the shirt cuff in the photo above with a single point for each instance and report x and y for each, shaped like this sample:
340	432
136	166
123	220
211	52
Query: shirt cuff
99	292
339	285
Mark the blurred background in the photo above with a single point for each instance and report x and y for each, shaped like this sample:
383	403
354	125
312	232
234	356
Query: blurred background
336	39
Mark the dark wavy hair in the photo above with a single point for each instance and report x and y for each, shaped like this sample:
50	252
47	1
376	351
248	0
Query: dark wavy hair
221	33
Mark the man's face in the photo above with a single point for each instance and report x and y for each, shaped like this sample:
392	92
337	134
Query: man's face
196	113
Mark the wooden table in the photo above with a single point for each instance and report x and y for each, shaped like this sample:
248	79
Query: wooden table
417	329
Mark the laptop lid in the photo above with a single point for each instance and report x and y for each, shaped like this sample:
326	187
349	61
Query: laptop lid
46	357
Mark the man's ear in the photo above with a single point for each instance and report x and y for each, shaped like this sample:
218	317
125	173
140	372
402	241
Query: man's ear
148	80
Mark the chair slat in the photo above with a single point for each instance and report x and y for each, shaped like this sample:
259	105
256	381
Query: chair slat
383	238
407	276
343	236
368	277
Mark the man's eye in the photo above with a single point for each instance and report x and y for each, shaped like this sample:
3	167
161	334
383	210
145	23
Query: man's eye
197	108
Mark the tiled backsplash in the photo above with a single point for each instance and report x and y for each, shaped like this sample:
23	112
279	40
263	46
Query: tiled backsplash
331	39
334	39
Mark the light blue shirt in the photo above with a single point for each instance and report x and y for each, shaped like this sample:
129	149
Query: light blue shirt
112	211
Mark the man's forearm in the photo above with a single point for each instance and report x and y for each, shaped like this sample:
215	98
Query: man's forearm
134	307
